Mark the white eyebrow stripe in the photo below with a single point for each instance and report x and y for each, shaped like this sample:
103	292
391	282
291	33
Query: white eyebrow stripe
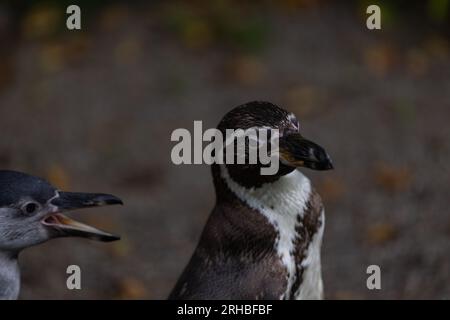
54	197
49	202
292	118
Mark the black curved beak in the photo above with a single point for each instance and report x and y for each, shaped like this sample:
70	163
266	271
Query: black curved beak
77	200
67	227
297	151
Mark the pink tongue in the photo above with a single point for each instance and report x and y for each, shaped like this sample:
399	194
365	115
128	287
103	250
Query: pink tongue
52	219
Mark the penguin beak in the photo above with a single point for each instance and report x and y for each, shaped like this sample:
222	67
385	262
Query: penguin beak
66	227
296	151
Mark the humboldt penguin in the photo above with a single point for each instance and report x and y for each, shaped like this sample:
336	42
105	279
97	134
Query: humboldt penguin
263	238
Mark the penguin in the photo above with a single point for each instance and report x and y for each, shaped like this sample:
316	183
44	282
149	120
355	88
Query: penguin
263	237
31	212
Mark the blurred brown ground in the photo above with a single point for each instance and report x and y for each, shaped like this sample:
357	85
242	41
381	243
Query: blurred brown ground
93	111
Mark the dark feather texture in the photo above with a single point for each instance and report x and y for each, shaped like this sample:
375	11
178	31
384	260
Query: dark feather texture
15	184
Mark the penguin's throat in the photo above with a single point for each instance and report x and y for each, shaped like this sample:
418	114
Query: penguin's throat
283	203
9	276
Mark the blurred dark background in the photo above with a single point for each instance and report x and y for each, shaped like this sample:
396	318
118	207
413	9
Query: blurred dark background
93	110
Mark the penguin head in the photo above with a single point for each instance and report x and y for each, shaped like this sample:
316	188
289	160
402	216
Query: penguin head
31	212
294	151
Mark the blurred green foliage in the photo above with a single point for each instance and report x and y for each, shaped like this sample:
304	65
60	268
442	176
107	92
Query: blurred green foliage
438	10
201	23
240	25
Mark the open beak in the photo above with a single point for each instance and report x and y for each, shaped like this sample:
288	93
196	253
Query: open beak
66	227
296	151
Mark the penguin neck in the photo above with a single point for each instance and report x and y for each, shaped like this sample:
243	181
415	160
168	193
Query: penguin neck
286	196
9	275
284	204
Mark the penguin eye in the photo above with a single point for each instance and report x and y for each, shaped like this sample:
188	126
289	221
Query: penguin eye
30	208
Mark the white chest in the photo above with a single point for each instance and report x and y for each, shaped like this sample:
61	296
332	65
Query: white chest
312	285
283	203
